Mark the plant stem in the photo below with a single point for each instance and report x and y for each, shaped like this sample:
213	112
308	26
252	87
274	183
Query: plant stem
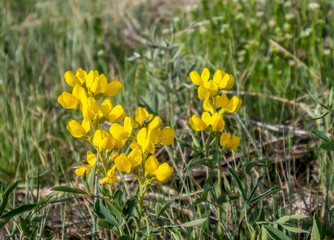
242	219
220	230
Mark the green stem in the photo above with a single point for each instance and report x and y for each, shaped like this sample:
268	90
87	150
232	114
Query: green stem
103	162
220	230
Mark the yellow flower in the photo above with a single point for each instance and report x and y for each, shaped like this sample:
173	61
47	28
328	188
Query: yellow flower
167	136
80	93
197	123
151	164
81	75
155	123
135	157
221	101
113	114
141	115
163	172
111	177
207	105
112	88
217	122
123	164
103	140
228	141
68	101
206	87
98	83
233	104
122	133
223	80
145	141
90	109
71	79
77	129
91	159
160	171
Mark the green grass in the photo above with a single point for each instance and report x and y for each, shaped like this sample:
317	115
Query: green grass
280	52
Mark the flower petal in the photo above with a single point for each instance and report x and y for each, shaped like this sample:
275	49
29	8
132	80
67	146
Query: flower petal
151	165
67	100
113	88
203	93
163	172
71	79
167	136
76	129
91	158
205	75
195	78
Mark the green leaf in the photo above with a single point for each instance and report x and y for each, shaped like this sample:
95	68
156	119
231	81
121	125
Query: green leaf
260	218
257	163
194	223
238	183
225	198
23	225
321	135
321	116
328	146
19	210
104	224
271	191
103	213
5	196
293	228
129	206
330	98
264	235
285	219
316	233
91	177
123	238
259	180
163	209
68	189
276	234
317	100
3	222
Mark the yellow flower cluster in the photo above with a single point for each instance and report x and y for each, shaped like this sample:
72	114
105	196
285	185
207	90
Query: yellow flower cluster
144	130
215	104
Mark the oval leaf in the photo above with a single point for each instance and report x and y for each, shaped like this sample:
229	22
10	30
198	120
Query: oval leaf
194	223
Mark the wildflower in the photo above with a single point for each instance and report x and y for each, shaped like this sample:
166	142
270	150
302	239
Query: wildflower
144	139
141	116
91	109
161	172
151	164
68	101
230	142
91	159
71	79
77	129
233	105
123	164
122	133
103	140
217	122
208	88
197	123
111	177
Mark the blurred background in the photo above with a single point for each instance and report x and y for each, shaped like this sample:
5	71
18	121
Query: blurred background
280	52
